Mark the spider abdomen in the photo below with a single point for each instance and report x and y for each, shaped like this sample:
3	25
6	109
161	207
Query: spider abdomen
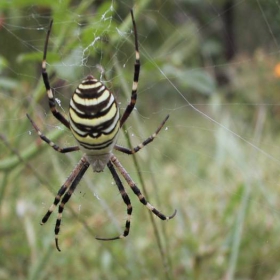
94	117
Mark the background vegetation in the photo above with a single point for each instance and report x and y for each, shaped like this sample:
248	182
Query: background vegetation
213	66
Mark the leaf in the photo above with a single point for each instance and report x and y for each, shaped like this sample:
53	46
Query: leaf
196	79
37	57
3	63
6	83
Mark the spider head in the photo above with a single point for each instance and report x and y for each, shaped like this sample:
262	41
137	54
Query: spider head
98	162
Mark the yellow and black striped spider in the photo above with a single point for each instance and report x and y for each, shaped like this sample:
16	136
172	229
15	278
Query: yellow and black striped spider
95	122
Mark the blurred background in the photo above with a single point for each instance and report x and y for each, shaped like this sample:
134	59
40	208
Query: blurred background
214	67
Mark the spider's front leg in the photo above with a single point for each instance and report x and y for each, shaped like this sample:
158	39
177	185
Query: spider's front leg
135	189
126	200
69	186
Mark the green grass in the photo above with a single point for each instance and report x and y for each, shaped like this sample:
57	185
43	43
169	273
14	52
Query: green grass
225	193
221	176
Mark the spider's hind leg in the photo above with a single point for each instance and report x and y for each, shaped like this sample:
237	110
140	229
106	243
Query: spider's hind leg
45	77
134	89
144	143
49	142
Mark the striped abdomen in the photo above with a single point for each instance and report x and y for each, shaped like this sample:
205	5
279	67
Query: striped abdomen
94	120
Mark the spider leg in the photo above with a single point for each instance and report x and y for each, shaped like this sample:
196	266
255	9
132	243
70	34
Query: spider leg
52	144
69	186
78	173
45	77
126	201
135	189
132	103
144	143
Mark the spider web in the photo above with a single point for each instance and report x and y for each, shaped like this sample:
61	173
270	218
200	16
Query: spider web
215	161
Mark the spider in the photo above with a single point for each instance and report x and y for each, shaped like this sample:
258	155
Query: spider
95	122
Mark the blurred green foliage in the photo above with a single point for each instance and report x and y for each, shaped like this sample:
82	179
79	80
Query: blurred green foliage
216	161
